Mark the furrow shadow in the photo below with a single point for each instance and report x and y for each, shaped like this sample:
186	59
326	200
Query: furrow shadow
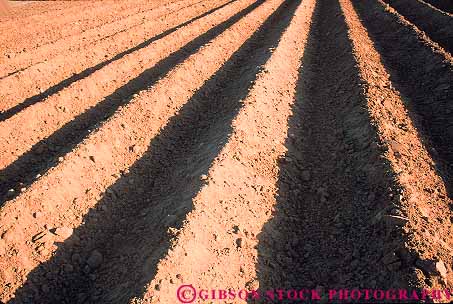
331	183
44	155
423	77
133	224
87	72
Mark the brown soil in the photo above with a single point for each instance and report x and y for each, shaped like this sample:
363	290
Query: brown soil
437	24
410	138
24	34
82	105
225	144
50	68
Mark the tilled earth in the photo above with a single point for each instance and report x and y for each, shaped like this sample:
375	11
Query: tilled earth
224	144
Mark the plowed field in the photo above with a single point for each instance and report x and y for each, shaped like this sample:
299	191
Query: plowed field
225	144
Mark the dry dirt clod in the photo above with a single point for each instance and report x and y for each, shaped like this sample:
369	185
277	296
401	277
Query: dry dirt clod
441	269
64	232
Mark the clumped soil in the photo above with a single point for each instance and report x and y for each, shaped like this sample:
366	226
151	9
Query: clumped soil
225	144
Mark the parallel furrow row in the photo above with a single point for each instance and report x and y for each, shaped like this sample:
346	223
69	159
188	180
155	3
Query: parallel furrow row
39	81
409	95
243	144
79	43
49	129
20	36
67	192
436	24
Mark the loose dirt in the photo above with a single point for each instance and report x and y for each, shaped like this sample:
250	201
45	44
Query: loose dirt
243	144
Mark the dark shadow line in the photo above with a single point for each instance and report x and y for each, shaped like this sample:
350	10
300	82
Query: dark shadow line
436	25
332	180
161	16
422	77
87	72
94	41
44	154
130	224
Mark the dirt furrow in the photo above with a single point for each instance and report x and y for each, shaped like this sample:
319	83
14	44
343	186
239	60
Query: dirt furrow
77	45
423	73
23	9
215	246
436	24
396	84
44	79
48	130
444	5
25	35
332	181
66	195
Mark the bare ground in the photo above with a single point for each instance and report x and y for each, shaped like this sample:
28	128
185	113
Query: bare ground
225	144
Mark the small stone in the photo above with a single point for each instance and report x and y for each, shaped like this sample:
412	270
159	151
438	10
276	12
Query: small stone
425	213
135	149
441	269
204	177
60	159
37	214
157	287
64	232
92	158
239	242
95	259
